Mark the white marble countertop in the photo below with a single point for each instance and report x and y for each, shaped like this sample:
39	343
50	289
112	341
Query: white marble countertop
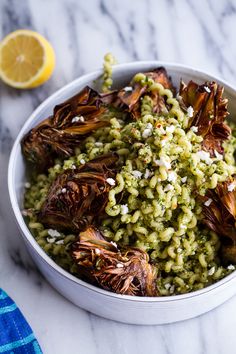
198	33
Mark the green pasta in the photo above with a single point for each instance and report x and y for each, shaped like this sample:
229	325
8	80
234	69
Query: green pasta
109	60
162	164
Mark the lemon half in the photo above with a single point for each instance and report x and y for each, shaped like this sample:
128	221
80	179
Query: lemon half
27	59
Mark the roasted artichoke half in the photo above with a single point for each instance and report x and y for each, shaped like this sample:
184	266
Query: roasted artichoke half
209	113
58	135
77	197
121	270
220	216
75	119
129	97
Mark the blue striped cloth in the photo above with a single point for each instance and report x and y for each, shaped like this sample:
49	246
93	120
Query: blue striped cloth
16	336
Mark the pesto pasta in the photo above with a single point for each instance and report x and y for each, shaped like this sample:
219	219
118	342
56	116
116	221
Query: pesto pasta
155	200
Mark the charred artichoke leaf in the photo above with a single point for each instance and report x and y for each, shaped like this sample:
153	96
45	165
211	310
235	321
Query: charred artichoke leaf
229	253
220	215
79	196
123	271
209	113
58	135
34	147
228	196
86	103
131	98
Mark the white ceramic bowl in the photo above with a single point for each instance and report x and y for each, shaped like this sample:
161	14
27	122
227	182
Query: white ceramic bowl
123	308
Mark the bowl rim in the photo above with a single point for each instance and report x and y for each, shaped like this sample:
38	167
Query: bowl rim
28	237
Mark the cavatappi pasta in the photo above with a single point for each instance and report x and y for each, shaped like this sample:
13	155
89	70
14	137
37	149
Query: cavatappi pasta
163	165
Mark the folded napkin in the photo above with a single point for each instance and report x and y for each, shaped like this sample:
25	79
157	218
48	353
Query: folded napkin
16	336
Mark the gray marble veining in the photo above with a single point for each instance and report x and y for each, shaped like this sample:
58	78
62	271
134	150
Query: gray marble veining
197	33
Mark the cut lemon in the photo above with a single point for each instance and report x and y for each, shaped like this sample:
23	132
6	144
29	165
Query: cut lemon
27	59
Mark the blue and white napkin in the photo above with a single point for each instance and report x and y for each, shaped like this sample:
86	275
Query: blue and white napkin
16	336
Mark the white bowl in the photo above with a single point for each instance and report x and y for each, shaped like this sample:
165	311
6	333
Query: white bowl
123	308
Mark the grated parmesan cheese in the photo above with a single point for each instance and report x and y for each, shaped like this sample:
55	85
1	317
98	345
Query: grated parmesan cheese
147	173
172	177
179	97
113	243
167	286
124	209
164	141
194	129
63	190
231	267
172	289
168	188
147	131
170	129
160	128
51	240
211	271
111	181
78	119
60	242
218	156
149	126
163	162
231	187
137	174
128	89
184	179
204	156
27	185
190	111
208	202
207	89
82	161
183	226
53	233
98	144
119	265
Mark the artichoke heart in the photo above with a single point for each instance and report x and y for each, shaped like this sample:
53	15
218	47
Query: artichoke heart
59	135
220	216
79	196
209	113
124	271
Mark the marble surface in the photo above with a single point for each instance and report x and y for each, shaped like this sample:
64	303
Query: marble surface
198	33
